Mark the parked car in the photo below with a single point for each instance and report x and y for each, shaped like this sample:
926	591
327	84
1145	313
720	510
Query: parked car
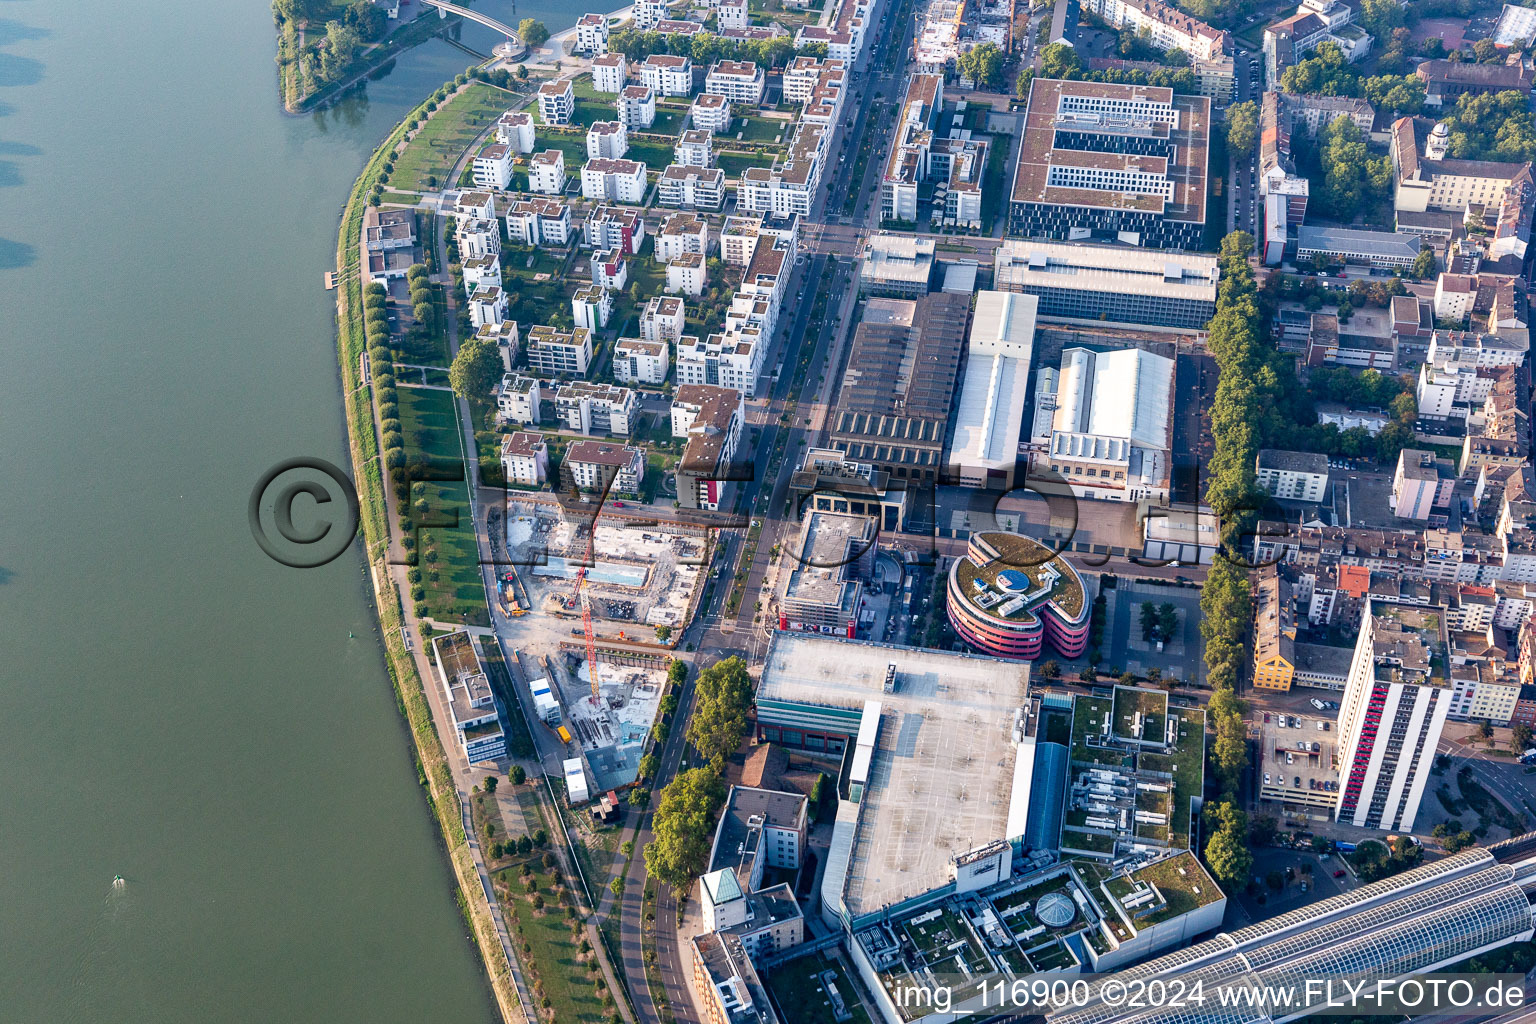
1339	873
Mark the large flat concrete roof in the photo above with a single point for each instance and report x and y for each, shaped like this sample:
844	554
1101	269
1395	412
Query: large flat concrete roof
942	772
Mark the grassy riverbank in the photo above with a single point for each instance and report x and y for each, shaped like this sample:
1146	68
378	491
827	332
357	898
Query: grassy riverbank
432	762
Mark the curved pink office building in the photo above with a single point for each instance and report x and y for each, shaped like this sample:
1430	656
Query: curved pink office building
1009	595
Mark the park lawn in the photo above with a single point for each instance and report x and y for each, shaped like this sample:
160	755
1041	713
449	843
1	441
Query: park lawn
649	274
756	128
733	164
655	155
669	120
442	140
573	146
535	303
430	423
552	955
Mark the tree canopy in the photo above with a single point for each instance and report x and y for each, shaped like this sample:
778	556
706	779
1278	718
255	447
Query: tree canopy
723	700
683	827
983	64
1499	126
475	370
1242	127
532	32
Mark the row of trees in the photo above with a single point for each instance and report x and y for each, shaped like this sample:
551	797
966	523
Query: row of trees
1246	388
706	47
1058	60
684	823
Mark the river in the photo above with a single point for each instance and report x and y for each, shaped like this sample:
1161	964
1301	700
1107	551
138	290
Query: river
175	708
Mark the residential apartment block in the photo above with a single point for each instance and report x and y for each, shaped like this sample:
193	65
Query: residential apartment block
557	101
589	408
559	353
598	466
539	222
525	458
637	361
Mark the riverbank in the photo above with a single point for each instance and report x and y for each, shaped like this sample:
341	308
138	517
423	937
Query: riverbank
362	442
291	47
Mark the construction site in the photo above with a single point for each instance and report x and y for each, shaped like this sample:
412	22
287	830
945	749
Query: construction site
572	595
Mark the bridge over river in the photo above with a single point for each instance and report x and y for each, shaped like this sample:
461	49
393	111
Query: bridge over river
512	49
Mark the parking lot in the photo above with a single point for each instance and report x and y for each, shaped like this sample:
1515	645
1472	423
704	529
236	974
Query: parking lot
1297	889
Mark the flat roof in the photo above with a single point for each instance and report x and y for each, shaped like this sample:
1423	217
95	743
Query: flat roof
1186	172
820	575
942	771
996	383
1394	244
1019	265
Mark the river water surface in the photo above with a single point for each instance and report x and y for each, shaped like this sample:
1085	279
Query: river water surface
175	708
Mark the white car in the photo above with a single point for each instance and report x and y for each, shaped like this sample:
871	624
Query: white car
1318	704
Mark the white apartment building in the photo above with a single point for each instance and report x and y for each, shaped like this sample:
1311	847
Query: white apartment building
557	102
474	206
477	238
589	408
649	13
730	360
594	463
710	112
710	418
1421	483
488	307
515	129
739	81
1168	27
686	275
591	307
481	272
1293	476
525	458
615	227
621	181
504	338
637	361
559	353
637	107
694	148
664	319
539	222
692	188
1394	707
680	233
607	140
610	269
1454	295
610	72
493	167
733	14
791	188
592	34
546	172
518	399
667	74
